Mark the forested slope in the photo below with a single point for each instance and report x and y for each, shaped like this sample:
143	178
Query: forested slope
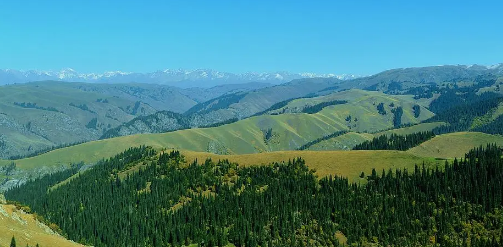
213	203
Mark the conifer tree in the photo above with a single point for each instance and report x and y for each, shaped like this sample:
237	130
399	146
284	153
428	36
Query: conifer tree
13	242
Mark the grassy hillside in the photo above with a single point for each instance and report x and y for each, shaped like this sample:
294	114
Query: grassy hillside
412	129
38	115
241	105
343	142
360	113
351	139
252	135
27	230
454	144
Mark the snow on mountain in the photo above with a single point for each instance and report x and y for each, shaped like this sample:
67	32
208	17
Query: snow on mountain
174	77
498	66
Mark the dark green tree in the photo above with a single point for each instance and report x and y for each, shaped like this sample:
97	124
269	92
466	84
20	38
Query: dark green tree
13	242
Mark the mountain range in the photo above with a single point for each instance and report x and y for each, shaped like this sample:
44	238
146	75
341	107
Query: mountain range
61	144
173	77
40	115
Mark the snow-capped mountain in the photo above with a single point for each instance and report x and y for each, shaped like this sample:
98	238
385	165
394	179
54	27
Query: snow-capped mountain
174	77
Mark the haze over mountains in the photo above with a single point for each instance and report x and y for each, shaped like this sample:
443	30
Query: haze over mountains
174	77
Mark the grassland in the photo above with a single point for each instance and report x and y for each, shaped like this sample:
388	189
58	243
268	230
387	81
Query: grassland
342	142
412	129
351	139
27	230
361	107
454	144
349	164
289	131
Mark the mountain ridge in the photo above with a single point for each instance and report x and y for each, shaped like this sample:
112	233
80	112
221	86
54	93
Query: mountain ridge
174	77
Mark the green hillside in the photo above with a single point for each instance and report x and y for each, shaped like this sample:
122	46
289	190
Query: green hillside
241	105
39	115
412	129
252	135
454	145
351	139
342	142
44	114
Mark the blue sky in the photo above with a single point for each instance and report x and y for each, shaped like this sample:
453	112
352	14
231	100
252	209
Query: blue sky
358	37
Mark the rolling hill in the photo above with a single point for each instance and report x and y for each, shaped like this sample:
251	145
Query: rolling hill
437	88
349	140
40	115
454	145
242	105
34	116
37	116
354	103
287	117
263	133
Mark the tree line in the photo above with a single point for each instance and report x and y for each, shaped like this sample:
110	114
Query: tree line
395	142
323	138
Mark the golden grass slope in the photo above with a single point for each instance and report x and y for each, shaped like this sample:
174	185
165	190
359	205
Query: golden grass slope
454	145
348	164
27	230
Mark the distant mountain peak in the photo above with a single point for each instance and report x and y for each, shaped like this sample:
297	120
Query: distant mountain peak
173	77
495	66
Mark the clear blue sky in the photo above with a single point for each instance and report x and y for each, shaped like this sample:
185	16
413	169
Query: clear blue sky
359	37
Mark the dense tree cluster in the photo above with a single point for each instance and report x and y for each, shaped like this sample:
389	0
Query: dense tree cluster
92	124
35	106
323	138
276	106
422	92
461	118
83	107
417	110
228	121
380	109
397	116
318	107
395	142
452	95
169	202
180	120
216	104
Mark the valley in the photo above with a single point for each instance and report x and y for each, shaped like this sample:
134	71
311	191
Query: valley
320	121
